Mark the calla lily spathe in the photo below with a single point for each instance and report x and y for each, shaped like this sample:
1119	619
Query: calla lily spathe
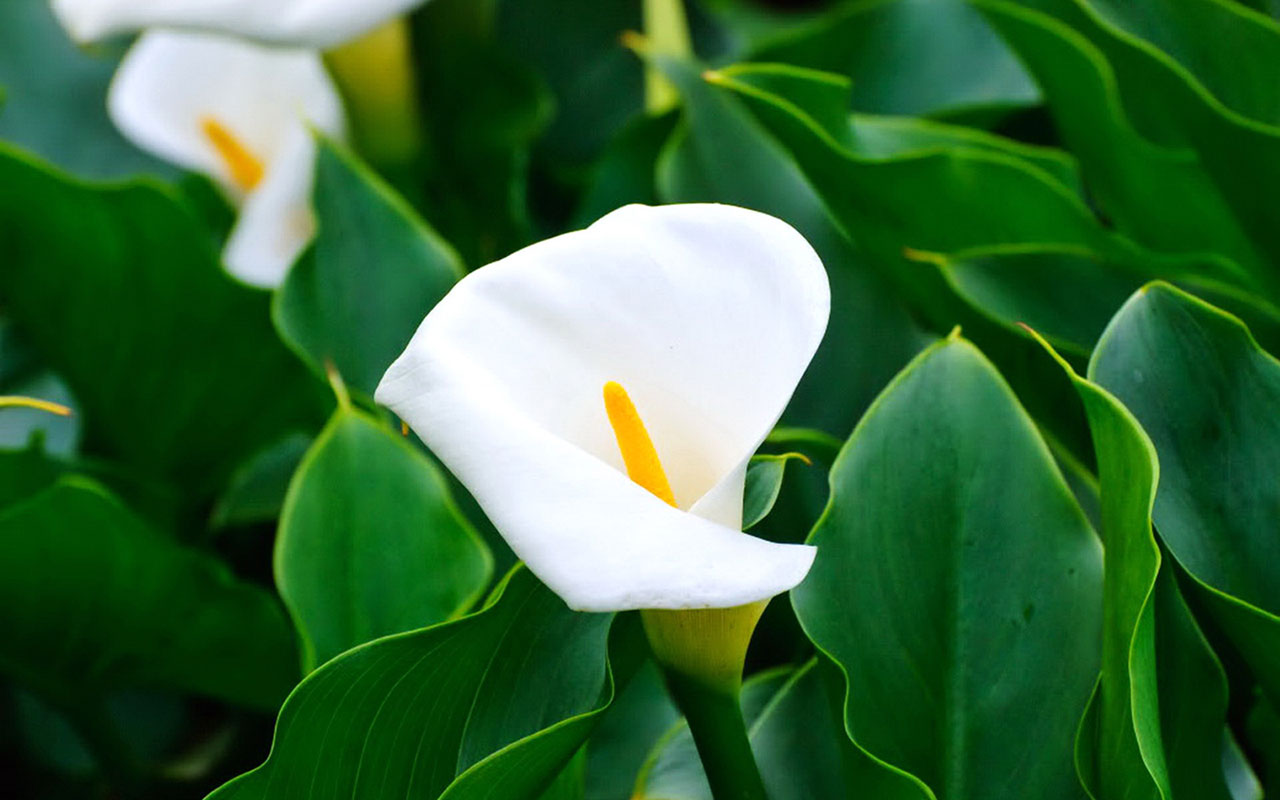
238	112
300	23
706	316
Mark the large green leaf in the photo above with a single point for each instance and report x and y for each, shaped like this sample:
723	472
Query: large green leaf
53	96
93	599
940	198
910	57
1208	397
1155	728
1170	104
375	271
957	585
793	734
722	155
175	366
492	705
1131	176
1233	52
370	542
620	745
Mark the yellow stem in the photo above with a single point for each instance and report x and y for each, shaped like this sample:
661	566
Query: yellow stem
375	75
667	29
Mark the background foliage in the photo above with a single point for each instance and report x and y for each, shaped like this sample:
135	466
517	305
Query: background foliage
1050	233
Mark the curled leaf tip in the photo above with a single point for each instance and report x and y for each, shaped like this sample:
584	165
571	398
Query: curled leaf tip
32	402
714	76
954	336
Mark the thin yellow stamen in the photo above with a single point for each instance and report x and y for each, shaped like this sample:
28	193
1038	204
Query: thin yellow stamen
31	402
246	169
638	452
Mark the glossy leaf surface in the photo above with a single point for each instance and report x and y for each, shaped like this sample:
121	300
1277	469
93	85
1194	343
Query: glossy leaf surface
370	542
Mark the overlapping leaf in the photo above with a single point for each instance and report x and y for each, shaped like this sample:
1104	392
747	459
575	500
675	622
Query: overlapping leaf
1154	725
93	599
795	739
175	366
910	57
53	96
374	272
1208	395
971	684
722	155
370	542
492	705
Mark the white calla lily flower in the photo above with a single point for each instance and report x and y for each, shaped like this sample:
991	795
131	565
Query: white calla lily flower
299	23
661	343
238	112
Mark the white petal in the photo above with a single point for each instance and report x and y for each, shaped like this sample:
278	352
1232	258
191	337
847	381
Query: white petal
276	220
706	314
170	83
299	23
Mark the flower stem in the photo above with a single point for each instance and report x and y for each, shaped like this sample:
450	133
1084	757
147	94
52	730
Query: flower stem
376	77
720	734
667	30
701	652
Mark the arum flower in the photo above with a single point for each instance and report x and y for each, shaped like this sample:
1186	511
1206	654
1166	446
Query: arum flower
239	113
600	394
300	23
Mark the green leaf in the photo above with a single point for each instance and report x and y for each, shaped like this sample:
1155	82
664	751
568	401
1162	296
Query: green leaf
1131	176
886	137
625	171
256	491
375	271
794	734
1169	104
370	542
1206	394
764	483
674	771
1145	737
972	683
175	366
1068	295
481	130
93	599
910	57
627	732
1233	52
53	96
492	705
25	472
574	45
722	155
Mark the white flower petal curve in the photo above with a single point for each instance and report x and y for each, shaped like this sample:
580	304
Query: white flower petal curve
707	314
170	84
298	23
276	221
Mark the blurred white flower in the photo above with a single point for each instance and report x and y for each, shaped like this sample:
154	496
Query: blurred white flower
299	23
663	343
238	112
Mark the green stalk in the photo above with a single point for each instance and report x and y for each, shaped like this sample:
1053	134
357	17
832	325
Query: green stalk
701	652
720	734
666	28
375	75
